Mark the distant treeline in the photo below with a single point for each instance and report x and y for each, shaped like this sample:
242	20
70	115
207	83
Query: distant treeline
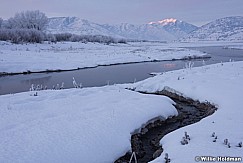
85	38
29	27
35	36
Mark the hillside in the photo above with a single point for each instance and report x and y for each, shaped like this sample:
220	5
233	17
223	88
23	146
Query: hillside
225	29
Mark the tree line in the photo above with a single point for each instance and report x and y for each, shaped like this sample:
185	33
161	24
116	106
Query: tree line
29	27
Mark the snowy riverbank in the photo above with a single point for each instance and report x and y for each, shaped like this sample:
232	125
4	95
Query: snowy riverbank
220	84
239	47
75	125
16	58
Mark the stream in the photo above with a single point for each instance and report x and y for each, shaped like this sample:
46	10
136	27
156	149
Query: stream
146	144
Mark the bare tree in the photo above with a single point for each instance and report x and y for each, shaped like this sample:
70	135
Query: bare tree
28	20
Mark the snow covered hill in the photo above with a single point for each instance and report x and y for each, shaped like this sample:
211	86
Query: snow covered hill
164	30
229	28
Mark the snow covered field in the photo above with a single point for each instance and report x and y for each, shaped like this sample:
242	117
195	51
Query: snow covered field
15	58
75	125
220	84
95	124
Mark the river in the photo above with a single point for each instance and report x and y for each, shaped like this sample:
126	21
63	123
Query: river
115	74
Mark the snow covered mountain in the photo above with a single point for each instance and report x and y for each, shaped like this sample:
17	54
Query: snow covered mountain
229	28
175	27
165	30
76	25
141	32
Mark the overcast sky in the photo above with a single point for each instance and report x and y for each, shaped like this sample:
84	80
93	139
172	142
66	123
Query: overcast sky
197	12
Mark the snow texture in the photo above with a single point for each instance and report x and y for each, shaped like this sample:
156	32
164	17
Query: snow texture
76	125
220	84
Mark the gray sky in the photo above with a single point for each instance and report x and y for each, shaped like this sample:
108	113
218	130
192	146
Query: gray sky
197	12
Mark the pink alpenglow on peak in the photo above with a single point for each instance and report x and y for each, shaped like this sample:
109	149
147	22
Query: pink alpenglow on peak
165	21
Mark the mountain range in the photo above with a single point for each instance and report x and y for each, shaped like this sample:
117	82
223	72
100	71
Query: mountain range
229	28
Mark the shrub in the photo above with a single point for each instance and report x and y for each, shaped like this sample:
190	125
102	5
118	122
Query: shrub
21	35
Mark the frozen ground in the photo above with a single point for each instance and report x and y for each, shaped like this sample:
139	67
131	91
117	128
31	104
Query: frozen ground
91	125
220	84
72	55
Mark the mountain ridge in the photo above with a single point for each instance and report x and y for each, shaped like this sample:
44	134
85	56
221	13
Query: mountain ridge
150	31
228	28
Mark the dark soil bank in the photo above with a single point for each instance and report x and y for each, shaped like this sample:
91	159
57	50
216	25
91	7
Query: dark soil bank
146	143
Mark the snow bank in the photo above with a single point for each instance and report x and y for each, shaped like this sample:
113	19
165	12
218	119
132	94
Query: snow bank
77	125
72	55
206	43
220	84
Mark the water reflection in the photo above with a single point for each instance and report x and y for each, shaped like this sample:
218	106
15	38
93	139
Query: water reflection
169	66
42	80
